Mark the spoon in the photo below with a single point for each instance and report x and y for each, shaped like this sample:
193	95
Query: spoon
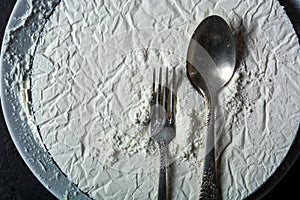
210	65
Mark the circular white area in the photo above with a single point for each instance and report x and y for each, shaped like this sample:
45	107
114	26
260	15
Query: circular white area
91	77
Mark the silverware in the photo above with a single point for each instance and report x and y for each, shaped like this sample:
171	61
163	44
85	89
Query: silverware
162	123
210	65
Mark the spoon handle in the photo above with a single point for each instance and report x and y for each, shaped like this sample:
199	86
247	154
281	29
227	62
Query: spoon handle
209	189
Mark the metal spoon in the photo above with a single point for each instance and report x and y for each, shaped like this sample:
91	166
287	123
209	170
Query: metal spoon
210	65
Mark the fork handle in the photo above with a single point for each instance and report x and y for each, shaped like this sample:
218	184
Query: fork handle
162	185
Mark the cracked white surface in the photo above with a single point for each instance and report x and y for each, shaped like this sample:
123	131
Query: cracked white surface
91	75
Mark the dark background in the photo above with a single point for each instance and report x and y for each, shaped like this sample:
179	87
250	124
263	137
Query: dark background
17	182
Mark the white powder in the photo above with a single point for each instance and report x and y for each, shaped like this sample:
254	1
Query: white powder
91	77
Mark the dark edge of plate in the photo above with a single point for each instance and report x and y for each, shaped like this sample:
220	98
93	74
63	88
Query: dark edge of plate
34	155
280	172
292	9
294	151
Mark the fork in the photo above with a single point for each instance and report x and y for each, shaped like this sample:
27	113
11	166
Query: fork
163	123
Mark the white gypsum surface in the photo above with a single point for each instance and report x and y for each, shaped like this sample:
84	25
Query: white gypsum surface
91	77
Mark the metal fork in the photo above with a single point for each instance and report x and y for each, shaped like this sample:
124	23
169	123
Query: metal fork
163	123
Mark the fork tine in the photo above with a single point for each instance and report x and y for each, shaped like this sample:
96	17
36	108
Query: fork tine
173	96
153	88
159	95
165	100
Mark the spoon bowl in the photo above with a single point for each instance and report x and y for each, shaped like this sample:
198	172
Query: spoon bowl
211	56
211	60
